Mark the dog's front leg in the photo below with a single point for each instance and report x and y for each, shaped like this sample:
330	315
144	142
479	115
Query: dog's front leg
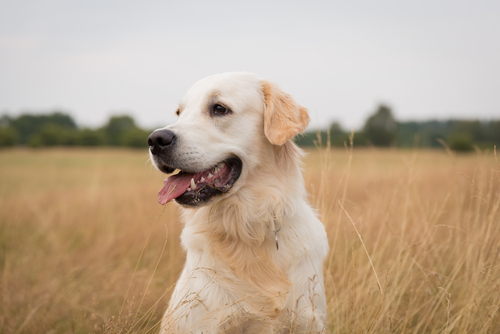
306	302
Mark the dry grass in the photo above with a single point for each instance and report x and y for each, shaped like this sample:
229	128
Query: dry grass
84	246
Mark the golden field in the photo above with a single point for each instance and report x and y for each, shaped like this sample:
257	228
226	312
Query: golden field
414	237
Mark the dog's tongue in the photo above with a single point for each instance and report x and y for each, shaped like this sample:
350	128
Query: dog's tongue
173	187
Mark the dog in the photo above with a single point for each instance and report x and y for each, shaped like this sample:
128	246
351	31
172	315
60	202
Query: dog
254	246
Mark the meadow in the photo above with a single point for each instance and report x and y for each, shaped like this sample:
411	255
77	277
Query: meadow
414	237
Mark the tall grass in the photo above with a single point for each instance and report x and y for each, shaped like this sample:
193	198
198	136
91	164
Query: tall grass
428	225
414	237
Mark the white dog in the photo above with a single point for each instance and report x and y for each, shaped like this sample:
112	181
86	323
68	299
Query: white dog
254	245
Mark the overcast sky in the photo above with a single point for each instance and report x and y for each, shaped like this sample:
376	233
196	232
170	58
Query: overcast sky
426	58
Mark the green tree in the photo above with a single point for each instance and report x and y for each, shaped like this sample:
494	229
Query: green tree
49	135
89	137
8	136
493	132
116	127
337	134
135	138
28	125
461	141
380	128
474	128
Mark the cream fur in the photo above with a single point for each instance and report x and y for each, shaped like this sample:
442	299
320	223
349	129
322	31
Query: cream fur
234	279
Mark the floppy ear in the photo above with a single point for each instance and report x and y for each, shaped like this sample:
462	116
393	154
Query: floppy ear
283	117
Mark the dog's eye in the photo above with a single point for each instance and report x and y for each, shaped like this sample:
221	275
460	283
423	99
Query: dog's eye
220	110
177	112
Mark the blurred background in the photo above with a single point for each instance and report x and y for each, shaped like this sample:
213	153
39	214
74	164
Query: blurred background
108	72
86	248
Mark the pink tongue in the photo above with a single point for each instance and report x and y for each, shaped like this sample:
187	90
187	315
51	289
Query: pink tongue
173	187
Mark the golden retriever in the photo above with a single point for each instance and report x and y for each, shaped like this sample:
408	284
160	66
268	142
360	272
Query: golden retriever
254	245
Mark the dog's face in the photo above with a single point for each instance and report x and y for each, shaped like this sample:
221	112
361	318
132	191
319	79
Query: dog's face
225	123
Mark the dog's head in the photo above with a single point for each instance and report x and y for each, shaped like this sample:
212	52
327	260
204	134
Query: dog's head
227	124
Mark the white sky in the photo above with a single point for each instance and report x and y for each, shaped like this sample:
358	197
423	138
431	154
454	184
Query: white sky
426	58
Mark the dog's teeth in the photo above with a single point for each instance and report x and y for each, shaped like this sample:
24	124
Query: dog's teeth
202	179
193	185
189	189
210	175
217	169
221	165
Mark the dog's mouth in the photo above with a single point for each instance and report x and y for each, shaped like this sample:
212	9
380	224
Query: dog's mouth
195	189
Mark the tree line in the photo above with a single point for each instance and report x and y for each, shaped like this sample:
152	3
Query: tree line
383	130
59	129
380	129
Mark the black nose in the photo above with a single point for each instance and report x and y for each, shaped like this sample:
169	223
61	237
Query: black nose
160	140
